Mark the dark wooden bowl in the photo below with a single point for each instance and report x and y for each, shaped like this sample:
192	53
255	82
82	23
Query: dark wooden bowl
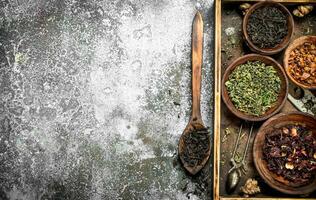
286	40
296	43
269	177
282	96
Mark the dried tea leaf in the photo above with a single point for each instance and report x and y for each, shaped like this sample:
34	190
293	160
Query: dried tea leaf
253	87
267	27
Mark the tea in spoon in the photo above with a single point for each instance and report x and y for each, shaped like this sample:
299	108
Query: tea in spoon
194	145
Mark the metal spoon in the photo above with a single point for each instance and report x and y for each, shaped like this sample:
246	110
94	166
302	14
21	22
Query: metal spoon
234	174
303	97
195	121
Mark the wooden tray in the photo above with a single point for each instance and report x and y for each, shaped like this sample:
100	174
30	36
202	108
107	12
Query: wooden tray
227	49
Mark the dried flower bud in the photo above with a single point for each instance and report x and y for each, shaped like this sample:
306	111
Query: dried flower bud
297	13
293	132
304	152
289	165
314	155
244	7
251	187
301	11
285	130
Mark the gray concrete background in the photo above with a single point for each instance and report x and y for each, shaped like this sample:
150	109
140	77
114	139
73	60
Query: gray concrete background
95	95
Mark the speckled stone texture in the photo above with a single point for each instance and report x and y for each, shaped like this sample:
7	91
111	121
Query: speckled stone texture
94	95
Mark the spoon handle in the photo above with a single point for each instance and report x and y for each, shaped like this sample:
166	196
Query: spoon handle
247	144
197	48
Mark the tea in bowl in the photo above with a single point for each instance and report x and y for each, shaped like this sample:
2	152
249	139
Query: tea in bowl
267	27
254	87
284	153
300	62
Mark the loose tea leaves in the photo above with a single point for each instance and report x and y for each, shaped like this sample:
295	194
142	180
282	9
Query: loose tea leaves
267	27
290	152
253	87
302	64
196	145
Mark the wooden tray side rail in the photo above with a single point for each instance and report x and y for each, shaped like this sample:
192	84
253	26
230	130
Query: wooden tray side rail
217	100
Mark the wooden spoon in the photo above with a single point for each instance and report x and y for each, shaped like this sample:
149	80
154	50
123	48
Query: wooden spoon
195	122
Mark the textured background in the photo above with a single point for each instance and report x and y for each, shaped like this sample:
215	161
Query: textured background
95	95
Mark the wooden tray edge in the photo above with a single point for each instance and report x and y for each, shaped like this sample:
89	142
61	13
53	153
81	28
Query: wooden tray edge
217	100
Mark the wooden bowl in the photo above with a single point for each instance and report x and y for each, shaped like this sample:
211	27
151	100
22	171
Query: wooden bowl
269	177
296	43
283	92
286	40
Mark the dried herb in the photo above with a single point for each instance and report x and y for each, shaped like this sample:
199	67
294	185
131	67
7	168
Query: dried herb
227	132
302	64
267	27
310	104
244	7
251	187
253	87
290	152
303	10
196	146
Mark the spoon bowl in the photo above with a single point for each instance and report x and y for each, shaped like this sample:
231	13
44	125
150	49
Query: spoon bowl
233	179
191	127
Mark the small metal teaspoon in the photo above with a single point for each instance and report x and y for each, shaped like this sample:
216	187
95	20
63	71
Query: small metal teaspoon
234	174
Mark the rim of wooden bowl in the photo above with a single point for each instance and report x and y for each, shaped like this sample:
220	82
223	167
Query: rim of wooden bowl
286	40
283	92
261	165
296	43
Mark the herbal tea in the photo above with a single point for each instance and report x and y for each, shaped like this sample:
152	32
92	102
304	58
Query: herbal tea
267	27
302	64
253	87
290	152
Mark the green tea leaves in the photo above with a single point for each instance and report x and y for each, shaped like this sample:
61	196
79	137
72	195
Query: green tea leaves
253	87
